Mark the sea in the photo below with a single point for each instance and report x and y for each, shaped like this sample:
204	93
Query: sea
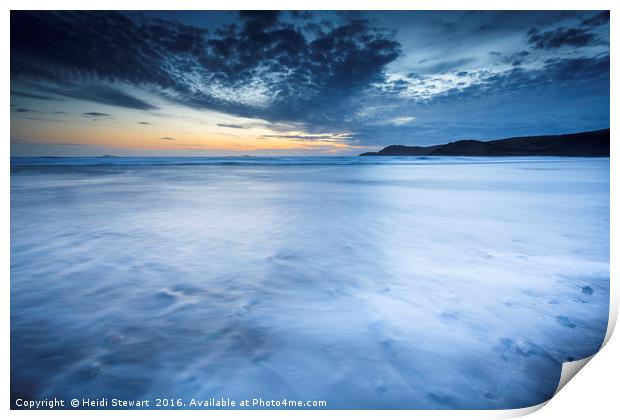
363	282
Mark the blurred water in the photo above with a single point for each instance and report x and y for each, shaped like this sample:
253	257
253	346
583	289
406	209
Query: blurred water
366	282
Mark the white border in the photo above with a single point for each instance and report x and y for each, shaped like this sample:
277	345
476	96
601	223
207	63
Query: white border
611	359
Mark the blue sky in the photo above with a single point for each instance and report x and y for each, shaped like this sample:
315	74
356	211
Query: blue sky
289	83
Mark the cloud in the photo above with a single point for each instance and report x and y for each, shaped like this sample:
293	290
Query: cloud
264	68
298	137
144	123
401	120
33	95
516	59
41	119
107	95
69	46
598	19
167	138
96	114
562	95
560	37
232	126
555	74
22	110
299	14
317	72
484	28
449	65
24	142
257	20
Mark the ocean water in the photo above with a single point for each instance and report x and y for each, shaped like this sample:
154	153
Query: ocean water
433	283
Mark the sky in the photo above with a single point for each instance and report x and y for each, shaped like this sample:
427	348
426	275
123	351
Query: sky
190	83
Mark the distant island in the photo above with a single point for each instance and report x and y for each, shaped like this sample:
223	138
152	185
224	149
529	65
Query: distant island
588	144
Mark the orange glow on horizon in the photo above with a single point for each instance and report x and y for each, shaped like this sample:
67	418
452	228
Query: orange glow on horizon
175	136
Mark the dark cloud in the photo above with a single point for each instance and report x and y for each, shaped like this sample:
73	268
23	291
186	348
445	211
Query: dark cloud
484	28
560	37
259	19
576	69
598	19
96	114
102	94
516	59
307	75
33	95
301	14
556	74
450	65
144	123
297	137
64	144
21	110
167	138
40	119
22	141
232	126
317	71
70	46
521	101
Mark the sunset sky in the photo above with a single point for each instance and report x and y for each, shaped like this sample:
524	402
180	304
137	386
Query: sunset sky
299	83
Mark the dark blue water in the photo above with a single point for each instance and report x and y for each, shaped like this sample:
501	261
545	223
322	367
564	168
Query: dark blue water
365	282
